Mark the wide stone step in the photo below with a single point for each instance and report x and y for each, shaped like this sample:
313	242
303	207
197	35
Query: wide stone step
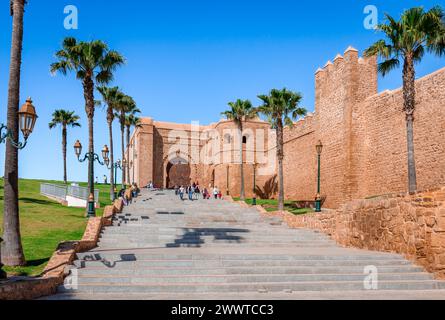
260	296
253	287
240	270
166	236
215	240
126	256
195	250
209	244
147	229
235	263
199	279
191	224
170	228
198	237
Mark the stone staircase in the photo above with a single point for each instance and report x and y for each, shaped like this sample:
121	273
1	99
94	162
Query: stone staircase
162	248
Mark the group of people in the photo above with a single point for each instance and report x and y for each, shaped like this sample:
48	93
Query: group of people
127	195
194	192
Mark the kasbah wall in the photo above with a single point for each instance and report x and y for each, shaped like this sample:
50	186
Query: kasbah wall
363	133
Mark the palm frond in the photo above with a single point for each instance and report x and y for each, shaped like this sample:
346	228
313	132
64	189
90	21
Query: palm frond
388	65
281	106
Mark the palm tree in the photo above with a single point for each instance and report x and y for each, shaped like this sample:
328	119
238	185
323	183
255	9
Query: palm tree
125	106
65	119
281	107
239	112
131	120
12	249
111	97
408	39
94	63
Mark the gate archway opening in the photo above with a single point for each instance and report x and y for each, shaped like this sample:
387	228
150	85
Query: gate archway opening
178	173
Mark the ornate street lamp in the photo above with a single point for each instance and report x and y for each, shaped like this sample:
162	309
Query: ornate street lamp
319	148
27	120
91	157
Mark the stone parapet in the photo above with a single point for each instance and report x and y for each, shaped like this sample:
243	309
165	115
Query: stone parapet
411	225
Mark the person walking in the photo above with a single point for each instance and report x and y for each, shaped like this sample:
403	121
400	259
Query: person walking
181	193
191	191
205	194
197	192
215	192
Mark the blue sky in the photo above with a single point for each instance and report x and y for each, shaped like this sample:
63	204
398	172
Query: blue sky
185	59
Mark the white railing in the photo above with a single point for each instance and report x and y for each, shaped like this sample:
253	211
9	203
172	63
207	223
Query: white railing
61	192
81	193
53	190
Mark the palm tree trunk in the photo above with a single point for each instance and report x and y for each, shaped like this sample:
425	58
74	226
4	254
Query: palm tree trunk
12	250
110	131
122	120
242	192
89	108
128	155
409	96
64	136
280	156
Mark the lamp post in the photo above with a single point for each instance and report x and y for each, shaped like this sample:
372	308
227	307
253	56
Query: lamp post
319	148
132	172
27	120
254	183
124	167
91	157
115	166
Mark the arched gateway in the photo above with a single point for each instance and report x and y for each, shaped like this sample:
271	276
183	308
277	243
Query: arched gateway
178	173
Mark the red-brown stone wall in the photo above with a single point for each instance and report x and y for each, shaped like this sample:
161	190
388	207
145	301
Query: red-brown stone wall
300	160
364	135
383	135
410	225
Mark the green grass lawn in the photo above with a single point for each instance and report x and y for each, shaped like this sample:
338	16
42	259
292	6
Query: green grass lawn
272	205
45	223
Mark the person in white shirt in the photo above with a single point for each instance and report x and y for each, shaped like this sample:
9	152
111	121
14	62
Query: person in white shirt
215	192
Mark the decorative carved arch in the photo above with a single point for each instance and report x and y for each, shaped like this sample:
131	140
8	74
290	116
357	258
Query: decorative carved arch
171	156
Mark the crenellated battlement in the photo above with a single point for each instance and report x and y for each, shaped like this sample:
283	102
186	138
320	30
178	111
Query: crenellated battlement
300	128
347	73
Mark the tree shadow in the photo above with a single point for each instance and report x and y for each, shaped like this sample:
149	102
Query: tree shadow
38	201
193	237
37	262
270	188
109	264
